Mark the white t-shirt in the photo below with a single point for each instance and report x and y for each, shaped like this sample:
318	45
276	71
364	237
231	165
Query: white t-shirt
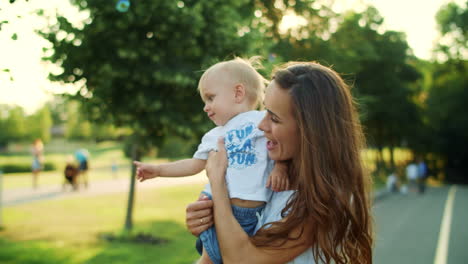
272	213
412	171
248	162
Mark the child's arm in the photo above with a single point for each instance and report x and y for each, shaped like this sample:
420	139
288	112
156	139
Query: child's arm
181	168
278	180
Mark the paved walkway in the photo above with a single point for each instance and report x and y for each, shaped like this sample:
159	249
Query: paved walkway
26	195
19	196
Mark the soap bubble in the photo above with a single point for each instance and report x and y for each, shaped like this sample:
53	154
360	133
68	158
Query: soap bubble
122	5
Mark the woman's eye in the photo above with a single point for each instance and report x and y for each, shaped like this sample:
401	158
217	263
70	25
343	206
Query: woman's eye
274	120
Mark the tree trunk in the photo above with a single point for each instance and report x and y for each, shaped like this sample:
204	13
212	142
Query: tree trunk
131	194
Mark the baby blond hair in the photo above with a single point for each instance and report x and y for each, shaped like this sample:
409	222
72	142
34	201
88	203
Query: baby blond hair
243	71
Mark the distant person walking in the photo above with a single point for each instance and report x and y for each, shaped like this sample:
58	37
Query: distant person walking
422	176
82	156
38	159
392	183
412	175
114	168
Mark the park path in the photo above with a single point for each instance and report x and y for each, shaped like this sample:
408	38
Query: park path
13	197
422	229
18	196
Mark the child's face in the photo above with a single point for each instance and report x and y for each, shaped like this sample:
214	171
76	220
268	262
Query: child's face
219	97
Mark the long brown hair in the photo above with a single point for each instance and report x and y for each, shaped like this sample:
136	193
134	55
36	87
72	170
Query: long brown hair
333	191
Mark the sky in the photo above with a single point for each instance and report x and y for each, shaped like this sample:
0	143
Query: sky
30	88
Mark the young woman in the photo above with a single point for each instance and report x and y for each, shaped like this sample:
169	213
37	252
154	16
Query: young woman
38	158
312	124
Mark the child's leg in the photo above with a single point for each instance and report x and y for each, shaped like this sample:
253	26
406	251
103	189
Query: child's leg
205	259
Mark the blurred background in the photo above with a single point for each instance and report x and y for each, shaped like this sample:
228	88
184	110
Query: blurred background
87	86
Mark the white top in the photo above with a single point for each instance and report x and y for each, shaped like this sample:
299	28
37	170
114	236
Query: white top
412	171
248	162
391	181
272	213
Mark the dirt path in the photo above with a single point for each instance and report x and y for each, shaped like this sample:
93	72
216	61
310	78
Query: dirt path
27	195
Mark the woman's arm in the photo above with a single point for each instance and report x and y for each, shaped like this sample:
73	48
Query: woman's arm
235	245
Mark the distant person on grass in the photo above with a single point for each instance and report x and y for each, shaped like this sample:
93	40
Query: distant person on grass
82	156
71	173
231	90
38	159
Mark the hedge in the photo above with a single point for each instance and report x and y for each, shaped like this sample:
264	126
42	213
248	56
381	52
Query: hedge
23	167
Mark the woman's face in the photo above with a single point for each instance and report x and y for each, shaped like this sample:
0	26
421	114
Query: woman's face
279	124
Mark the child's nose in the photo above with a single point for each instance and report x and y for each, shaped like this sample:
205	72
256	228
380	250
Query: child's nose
206	108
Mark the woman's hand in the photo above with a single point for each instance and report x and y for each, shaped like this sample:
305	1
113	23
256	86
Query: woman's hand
199	215
217	164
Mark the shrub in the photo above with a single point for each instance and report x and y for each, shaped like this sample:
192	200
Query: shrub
24	167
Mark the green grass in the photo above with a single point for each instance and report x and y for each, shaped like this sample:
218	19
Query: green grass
68	231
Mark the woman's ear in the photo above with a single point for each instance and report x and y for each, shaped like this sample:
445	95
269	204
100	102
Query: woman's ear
239	93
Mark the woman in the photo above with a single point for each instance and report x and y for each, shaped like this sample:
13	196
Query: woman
36	166
311	123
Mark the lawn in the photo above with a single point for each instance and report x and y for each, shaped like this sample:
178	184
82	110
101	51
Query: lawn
70	230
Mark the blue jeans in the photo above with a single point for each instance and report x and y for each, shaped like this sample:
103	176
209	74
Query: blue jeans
247	218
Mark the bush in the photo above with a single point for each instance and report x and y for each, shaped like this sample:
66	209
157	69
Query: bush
24	167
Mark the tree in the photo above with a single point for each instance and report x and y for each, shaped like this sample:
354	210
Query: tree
378	65
385	78
40	124
140	68
14	126
77	126
449	92
452	20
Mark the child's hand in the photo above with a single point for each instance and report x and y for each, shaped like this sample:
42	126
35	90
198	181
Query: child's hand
145	171
278	180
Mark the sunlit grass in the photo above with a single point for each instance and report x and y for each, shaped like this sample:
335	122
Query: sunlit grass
70	228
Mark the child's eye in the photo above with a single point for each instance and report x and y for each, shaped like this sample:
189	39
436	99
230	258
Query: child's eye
210	98
274	119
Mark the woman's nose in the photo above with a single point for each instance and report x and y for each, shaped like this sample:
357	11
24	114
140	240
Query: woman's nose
263	124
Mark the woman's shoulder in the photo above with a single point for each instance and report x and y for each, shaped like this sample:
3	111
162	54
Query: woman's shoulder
307	257
274	207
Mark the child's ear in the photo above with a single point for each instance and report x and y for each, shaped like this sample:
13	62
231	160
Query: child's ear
239	92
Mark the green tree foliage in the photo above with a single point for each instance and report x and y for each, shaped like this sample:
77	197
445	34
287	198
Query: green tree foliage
141	67
448	94
378	65
385	79
40	124
16	126
77	127
452	20
12	124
